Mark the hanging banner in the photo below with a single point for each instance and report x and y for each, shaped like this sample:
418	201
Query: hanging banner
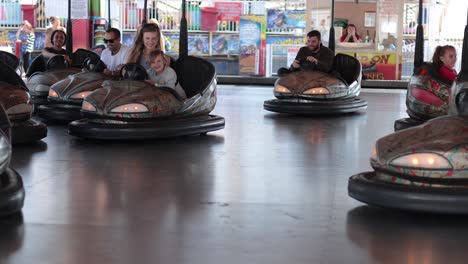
56	8
229	11
79	9
252	38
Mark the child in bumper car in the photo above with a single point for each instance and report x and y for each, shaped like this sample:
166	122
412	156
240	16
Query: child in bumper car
160	74
444	60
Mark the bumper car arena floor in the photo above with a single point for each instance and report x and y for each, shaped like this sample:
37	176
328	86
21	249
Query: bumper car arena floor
269	188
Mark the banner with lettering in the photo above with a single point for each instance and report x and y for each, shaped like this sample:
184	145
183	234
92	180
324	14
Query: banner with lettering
378	66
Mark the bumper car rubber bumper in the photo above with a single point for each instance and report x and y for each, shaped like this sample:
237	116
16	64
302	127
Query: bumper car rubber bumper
11	192
365	188
39	100
28	131
60	112
147	130
408	122
309	107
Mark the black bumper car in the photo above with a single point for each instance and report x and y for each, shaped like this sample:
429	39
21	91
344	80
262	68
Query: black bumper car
14	97
66	96
317	93
11	60
42	75
11	185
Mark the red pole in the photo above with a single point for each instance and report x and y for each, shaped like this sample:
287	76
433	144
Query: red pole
18	48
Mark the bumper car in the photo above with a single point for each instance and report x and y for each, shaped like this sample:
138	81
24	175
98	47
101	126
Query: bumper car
427	95
318	93
11	185
134	109
423	168
14	97
66	96
42	75
11	60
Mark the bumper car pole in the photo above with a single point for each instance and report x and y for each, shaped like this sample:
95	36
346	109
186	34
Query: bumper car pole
145	14
419	49
331	36
183	51
69	44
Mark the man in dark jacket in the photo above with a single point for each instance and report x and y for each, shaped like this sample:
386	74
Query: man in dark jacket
314	56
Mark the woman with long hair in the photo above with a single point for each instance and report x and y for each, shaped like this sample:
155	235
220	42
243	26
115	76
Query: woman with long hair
148	39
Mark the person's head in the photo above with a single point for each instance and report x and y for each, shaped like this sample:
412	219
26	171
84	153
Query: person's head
314	40
153	21
26	27
54	21
58	38
351	29
112	39
157	60
445	56
148	38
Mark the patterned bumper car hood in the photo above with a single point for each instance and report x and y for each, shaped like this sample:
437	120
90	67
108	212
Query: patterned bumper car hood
49	78
445	136
118	93
427	98
301	81
80	82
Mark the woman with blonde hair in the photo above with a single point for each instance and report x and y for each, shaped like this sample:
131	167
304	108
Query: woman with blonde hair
148	39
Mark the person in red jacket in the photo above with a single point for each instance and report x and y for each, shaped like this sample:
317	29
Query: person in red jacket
444	60
350	35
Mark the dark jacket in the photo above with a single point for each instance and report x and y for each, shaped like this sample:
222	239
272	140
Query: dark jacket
324	56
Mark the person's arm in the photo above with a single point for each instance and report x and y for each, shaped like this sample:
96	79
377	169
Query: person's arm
46	53
325	60
300	55
170	78
18	33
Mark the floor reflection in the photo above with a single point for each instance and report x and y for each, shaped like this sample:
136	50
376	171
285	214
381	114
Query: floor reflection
11	235
391	236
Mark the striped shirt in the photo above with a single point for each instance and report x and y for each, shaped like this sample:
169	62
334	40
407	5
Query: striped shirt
30	42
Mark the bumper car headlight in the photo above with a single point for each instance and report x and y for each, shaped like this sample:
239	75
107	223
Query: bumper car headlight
422	160
88	107
53	93
130	108
319	90
81	95
281	89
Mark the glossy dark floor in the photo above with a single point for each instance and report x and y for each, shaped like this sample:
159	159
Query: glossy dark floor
269	188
